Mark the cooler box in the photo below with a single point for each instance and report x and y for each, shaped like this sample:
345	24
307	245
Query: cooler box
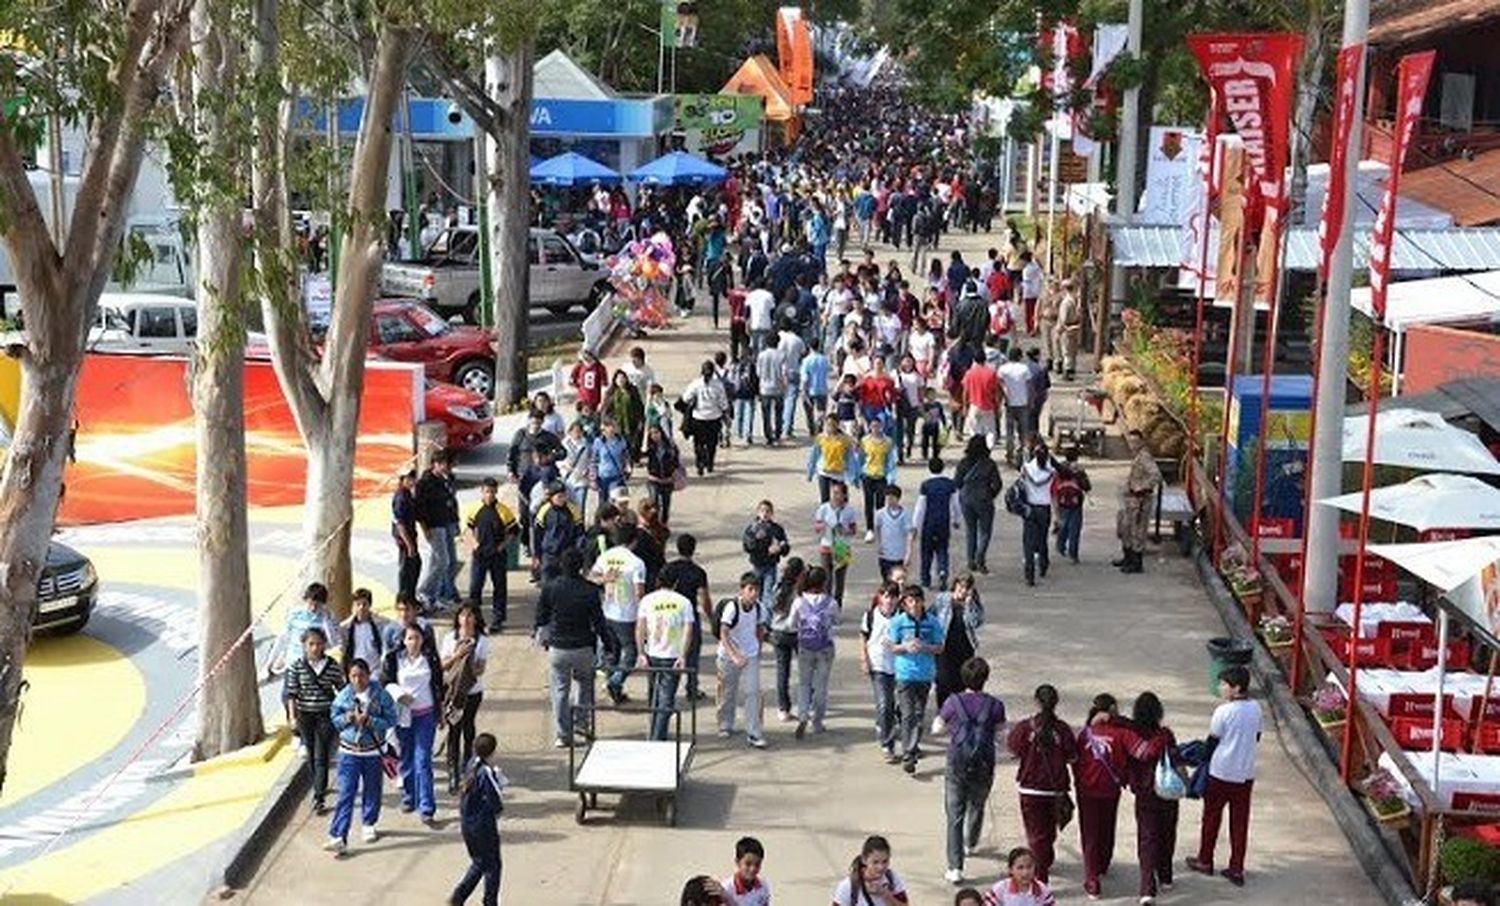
1288	433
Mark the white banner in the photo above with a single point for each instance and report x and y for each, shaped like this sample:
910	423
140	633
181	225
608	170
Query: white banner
1172	187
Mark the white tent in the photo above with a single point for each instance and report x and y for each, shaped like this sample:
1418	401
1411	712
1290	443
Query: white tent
1431	501
1443	564
1415	439
1439	300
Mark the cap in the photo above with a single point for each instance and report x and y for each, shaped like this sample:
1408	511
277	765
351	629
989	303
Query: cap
555	487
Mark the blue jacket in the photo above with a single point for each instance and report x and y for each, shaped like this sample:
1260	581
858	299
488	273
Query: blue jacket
611	456
381	711
814	373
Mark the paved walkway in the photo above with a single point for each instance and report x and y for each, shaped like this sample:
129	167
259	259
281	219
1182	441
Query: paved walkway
1086	629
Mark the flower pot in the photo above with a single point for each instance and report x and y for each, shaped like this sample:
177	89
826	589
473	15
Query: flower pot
1249	599
1332	727
1391	815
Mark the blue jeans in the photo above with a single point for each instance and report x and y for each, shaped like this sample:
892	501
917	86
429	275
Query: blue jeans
1069	530
767	577
770	416
744	418
416	762
935	547
663	696
434	587
789	410
885	709
624	657
484	862
979	524
356	773
608	483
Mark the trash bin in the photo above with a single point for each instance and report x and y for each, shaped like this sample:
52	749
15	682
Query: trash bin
1226	652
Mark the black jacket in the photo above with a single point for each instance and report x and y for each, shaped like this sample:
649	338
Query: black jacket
979	481
437	505
388	671
570	613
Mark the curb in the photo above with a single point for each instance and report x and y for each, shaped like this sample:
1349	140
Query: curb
1378	852
248	844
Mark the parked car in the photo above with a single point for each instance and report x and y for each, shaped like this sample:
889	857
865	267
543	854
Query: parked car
447	276
404	330
144	322
465	414
66	591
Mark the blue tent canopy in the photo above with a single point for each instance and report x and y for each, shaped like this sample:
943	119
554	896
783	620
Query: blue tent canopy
571	169
679	169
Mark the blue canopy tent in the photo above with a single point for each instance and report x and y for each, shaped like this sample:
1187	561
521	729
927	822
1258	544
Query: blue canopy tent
571	169
679	169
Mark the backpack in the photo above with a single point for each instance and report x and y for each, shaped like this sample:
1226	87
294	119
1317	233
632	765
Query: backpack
972	742
815	626
1067	490
1015	499
719	625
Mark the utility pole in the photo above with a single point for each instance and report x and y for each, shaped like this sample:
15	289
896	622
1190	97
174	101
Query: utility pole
1125	152
1320	572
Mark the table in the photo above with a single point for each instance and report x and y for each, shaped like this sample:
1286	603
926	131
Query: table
1373	613
1462	776
1377	685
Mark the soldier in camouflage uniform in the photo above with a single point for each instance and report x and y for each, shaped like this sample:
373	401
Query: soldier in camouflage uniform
1135	504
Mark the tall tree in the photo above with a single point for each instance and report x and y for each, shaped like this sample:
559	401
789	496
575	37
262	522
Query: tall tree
104	64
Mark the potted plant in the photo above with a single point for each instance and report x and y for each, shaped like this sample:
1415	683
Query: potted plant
1467	859
1276	632
1329	707
1242	578
1382	796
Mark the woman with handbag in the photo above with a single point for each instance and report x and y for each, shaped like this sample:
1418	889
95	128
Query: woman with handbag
464	653
415	669
1156	781
707	405
662	466
1044	746
1098	776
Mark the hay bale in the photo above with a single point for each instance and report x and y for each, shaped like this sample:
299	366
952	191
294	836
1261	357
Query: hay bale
1113	363
1129	387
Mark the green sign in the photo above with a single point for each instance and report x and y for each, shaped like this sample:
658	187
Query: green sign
728	112
669	23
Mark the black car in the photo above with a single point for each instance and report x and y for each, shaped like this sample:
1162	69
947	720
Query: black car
66	592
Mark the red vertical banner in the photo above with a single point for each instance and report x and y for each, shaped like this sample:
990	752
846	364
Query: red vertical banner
794	52
1346	83
1253	76
1414	71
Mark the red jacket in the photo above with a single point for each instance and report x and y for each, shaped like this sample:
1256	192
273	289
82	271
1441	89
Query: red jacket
1042	769
1145	751
1103	750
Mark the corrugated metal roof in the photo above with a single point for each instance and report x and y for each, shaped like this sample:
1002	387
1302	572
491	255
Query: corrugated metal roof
1397	22
1463	188
1453	249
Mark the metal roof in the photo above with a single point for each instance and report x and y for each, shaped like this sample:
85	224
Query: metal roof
1451	249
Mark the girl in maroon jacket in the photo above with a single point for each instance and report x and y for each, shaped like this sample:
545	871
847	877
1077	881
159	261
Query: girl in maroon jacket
1155	817
1099	775
1045	747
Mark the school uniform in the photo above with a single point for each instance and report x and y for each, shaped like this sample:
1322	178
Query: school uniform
1231	775
1041	778
1098	777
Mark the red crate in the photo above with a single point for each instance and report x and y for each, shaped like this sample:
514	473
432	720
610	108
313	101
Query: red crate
1423	655
1487	740
1443	534
1419	705
1476	802
1376	652
1416	733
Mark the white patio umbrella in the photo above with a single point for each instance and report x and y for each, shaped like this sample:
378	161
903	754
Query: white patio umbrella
1418	440
1439	500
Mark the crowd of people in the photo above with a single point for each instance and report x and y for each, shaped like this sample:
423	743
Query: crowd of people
918	392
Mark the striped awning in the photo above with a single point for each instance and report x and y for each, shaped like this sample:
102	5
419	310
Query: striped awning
1446	249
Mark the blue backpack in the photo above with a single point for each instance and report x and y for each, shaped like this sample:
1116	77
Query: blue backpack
815	625
972	742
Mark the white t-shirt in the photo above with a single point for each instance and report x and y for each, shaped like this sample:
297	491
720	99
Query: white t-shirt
1031	280
891	530
833	517
921	344
668	617
741	625
1015	377
480	658
623	575
414	675
759	304
1237	726
759	895
873	626
642	377
844	895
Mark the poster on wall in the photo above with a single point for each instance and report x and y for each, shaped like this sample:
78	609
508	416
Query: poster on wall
718	125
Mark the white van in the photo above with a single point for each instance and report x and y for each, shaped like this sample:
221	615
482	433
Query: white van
144	322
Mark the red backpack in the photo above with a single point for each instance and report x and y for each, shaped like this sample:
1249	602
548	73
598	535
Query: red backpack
1067	490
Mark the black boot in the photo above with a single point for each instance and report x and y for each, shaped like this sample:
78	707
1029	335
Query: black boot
1133	565
1121	560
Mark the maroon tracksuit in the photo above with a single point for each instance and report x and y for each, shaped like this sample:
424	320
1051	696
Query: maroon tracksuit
1098	776
1237	796
1041	778
1155	818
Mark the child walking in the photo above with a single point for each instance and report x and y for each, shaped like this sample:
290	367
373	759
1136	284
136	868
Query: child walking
915	637
1022	887
813	615
878	661
479	808
741	633
936	515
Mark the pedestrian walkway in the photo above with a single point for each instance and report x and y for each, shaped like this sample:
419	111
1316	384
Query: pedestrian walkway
1085	628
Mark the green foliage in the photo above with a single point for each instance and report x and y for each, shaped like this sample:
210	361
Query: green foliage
1467	859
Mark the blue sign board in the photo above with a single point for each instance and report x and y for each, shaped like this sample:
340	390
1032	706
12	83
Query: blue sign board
430	117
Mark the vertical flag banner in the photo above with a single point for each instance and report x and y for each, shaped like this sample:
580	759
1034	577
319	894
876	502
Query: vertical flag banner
1170	183
1109	42
1331	223
794	53
1232	227
1414	72
668	23
1199	221
1252	77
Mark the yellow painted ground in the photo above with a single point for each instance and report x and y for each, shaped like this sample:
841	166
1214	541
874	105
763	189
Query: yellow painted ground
64	672
203	809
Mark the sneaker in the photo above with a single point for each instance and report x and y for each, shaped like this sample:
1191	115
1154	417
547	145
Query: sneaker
818	727
937	725
1145	901
890	756
334	845
756	742
1237	878
784	716
970	850
801	730
559	743
1202	868
910	766
1091	889
869	536
725	734
430	820
954	876
370	834
407	808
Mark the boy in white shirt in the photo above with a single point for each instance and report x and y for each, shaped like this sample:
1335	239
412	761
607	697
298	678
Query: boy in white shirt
741	632
1233	732
878	661
893	533
746	887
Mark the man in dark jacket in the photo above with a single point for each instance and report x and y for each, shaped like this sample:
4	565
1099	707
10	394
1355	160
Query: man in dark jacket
491	526
404	530
569	624
558	528
765	543
437	514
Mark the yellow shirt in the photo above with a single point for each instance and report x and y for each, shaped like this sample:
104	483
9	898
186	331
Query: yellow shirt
835	450
876	449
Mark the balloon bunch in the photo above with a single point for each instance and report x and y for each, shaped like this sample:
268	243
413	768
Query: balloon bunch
641	275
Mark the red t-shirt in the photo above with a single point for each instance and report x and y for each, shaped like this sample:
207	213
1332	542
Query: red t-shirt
982	387
589	381
876	390
998	284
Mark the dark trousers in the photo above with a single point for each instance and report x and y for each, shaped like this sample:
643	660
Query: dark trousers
770	417
623	658
1034	540
705	444
932	440
408	571
694	655
911	701
935	548
836	576
1237	796
786	654
1069	530
1096	833
884	685
663	697
979	525
906	431
461	737
661	495
484	863
316	731
1155	840
491	567
824	484
1039	818
874	499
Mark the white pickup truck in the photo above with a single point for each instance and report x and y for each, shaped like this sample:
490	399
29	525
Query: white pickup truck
447	276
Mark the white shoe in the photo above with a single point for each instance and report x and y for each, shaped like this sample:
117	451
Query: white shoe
1148	901
334	845
756	742
954	876
937	725
869	536
559	743
725	733
970	850
370	834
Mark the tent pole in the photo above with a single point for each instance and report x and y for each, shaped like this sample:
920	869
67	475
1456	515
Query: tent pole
1437	702
1484	700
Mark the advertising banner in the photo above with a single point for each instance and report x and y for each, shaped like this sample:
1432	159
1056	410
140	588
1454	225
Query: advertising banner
1227	276
1252	79
1170	182
716	124
1414	71
1346	82
794	53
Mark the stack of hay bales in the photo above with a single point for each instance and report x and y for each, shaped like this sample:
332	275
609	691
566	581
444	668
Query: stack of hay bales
1142	408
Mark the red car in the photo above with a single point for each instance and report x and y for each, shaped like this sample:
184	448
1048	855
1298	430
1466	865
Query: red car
404	330
464	413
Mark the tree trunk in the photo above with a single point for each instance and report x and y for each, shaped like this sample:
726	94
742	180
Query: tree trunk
508	81
1309	81
229	705
328	514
